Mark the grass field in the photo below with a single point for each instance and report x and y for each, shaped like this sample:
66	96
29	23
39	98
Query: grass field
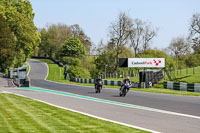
187	75
23	115
56	74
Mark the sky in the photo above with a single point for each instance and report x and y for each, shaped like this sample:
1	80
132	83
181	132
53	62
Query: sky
171	17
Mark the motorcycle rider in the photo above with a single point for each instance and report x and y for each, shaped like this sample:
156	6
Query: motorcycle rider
126	80
97	82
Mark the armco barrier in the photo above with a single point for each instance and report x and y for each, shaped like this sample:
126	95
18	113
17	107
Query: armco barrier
191	87
105	82
50	58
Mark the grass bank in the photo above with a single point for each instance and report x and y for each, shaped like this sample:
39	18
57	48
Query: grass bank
188	75
19	114
56	74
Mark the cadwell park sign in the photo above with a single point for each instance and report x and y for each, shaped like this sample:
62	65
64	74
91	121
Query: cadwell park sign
146	62
147	77
142	62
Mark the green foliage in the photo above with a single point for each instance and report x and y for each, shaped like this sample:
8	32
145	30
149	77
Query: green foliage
106	62
126	53
192	60
79	33
71	61
7	46
76	69
150	53
19	17
52	39
88	63
78	72
45	45
74	48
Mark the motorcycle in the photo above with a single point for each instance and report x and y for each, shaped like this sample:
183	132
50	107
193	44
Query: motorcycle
124	89
98	86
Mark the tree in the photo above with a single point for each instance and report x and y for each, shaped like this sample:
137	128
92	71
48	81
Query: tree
195	32
105	62
79	33
141	34
74	48
19	17
149	34
100	47
53	38
179	47
154	53
7	46
192	60
119	32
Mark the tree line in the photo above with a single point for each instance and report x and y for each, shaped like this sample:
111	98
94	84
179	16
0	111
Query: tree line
18	34
128	37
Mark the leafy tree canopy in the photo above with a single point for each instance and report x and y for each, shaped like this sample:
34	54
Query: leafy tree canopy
7	45
74	48
19	15
150	53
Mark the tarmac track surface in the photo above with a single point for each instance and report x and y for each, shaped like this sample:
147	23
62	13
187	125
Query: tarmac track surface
162	122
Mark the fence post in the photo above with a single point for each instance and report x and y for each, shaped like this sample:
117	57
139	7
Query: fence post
193	71
164	75
186	70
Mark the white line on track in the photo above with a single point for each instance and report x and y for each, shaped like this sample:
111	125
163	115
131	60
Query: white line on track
47	71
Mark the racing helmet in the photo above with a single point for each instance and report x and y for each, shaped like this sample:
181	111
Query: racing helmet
127	77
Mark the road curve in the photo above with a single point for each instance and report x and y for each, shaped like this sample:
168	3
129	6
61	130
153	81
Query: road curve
188	105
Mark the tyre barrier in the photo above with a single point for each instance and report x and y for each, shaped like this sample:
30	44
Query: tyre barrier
181	86
105	82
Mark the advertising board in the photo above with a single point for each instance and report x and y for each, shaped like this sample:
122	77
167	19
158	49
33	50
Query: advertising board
146	62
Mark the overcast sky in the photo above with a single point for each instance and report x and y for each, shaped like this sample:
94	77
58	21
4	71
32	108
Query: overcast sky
172	17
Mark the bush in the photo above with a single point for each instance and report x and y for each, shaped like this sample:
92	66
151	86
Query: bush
192	60
75	67
78	72
71	61
73	47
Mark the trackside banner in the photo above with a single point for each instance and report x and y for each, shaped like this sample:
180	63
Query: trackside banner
146	62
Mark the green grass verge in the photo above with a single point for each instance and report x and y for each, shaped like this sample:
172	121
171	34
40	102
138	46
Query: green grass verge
56	74
19	114
27	66
189	75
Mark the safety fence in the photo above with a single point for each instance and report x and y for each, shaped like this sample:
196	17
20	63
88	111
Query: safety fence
105	82
50	58
19	76
192	87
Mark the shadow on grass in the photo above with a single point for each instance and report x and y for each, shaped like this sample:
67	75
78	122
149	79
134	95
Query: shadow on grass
183	77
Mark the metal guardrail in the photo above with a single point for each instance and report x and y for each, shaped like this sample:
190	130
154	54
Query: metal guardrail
19	76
